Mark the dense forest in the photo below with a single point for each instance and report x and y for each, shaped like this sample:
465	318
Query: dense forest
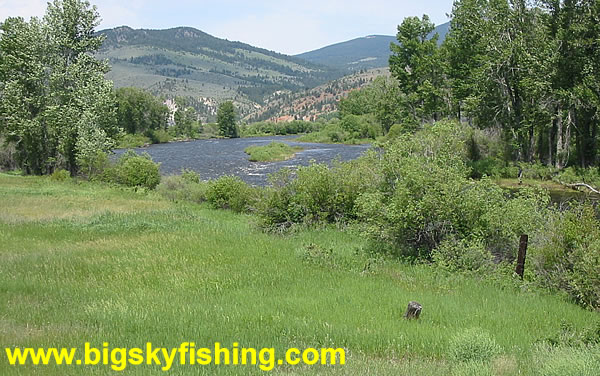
528	69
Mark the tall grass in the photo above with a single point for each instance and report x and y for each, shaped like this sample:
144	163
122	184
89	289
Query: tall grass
84	263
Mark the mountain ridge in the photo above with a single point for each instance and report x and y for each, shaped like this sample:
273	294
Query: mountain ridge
371	51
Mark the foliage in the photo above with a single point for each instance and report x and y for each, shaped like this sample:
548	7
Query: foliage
473	345
274	151
186	121
184	187
417	65
567	257
267	128
139	112
60	175
316	193
7	155
56	104
226	118
130	141
463	255
133	170
230	192
427	199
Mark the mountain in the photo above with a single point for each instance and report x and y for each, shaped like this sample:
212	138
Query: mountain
372	51
316	102
204	69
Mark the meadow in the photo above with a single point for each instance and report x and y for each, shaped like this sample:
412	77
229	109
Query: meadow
83	262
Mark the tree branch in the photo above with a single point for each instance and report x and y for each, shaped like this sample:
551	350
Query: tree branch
577	185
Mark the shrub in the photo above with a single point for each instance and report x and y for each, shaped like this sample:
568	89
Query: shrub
462	254
275	151
317	193
183	187
489	166
567	254
94	165
158	136
190	176
473	345
427	198
230	192
60	175
134	170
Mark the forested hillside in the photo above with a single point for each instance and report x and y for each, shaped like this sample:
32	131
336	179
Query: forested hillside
206	70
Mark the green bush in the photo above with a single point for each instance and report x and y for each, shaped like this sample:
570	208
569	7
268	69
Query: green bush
489	166
427	197
473	345
60	175
230	192
190	176
275	151
158	136
94	165
463	254
566	255
184	187
134	170
317	193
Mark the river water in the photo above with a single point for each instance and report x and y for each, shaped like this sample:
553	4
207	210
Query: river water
214	158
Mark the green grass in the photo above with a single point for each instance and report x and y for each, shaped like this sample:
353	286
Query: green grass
275	151
87	263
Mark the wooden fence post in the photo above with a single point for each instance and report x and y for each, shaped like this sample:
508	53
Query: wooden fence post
520	269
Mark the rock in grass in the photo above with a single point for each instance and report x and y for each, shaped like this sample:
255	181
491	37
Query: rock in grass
413	311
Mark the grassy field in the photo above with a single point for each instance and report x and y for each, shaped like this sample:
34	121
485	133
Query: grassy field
275	151
87	263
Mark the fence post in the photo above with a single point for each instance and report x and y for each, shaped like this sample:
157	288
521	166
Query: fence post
520	269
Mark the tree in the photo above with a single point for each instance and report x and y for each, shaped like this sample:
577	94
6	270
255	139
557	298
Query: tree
415	62
226	120
139	111
185	117
56	106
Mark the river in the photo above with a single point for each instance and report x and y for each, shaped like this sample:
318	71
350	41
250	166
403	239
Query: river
217	157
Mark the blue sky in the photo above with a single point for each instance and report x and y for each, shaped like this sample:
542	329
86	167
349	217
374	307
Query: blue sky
285	26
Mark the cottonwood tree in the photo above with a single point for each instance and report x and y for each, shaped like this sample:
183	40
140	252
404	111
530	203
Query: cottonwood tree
415	63
226	120
56	106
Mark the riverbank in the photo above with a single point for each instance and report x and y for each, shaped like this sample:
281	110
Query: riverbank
83	262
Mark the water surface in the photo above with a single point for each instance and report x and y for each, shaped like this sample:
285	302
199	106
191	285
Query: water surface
214	158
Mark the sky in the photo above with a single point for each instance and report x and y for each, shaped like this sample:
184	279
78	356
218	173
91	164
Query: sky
286	26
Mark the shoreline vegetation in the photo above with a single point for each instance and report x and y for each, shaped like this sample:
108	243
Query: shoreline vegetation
273	152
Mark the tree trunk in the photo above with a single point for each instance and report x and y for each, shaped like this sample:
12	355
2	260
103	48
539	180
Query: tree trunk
413	311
